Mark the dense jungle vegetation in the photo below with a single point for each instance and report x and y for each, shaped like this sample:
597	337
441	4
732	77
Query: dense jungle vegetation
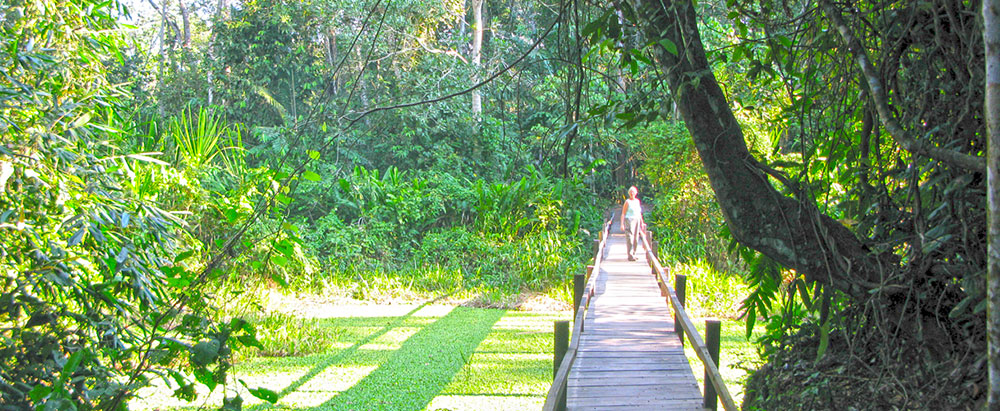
160	160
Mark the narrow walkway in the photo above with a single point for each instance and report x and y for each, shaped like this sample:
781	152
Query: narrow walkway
629	356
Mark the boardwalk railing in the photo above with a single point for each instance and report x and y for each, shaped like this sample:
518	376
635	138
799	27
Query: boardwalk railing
714	385
556	398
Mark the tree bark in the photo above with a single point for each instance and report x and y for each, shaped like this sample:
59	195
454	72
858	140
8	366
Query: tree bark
791	231
186	23
477	56
991	37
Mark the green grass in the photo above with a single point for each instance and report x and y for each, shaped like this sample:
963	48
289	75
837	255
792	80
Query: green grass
711	293
434	357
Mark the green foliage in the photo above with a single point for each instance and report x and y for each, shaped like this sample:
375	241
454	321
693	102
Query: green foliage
437	233
197	140
286	335
687	219
711	293
93	268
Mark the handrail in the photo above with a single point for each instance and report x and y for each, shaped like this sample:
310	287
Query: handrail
558	389
712	371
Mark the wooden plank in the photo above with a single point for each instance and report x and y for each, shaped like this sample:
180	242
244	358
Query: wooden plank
630	380
661	402
626	391
678	405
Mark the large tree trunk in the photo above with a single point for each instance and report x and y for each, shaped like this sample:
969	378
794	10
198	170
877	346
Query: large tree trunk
991	36
791	231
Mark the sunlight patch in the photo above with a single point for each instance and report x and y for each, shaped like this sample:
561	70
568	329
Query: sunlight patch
336	379
483	402
391	340
434	311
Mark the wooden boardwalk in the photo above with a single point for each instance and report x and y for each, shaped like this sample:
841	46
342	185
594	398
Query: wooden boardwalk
629	358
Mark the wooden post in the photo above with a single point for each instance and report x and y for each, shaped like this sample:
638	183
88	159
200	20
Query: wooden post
561	344
579	282
712	333
680	284
597	246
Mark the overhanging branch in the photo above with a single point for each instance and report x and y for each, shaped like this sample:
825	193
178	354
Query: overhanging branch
877	92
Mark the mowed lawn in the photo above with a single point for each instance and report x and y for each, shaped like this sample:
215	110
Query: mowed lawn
430	357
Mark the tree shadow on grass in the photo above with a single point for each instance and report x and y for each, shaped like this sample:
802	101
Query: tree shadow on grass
423	366
342	355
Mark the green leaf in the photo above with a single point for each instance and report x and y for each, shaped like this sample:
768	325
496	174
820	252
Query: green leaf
186	392
205	376
311	176
183	256
669	46
71	365
313	154
205	352
250	341
283	199
231	215
262	393
40	391
279	279
279	260
785	41
77	237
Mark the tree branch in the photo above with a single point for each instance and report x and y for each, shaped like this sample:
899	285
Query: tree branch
877	93
467	90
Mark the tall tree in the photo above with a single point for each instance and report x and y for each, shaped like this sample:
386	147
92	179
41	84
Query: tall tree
792	232
477	56
925	217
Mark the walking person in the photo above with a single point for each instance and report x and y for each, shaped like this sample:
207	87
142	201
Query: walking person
632	221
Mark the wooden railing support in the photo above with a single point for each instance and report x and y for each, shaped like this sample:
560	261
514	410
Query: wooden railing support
680	285
579	282
597	246
560	342
713	330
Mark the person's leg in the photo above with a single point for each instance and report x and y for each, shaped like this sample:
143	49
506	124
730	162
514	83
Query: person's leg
628	238
632	238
